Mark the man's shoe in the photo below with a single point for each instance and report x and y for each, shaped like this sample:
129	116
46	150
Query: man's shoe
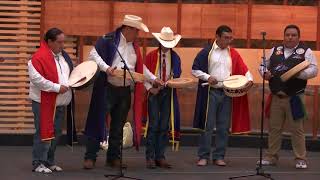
88	164
267	162
162	163
42	169
219	162
116	164
150	164
301	164
202	162
55	168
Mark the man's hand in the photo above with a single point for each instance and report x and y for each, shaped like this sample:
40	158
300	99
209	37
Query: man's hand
158	83
267	75
154	91
110	71
212	80
63	89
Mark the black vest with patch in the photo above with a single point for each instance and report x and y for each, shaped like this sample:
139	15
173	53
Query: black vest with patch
279	65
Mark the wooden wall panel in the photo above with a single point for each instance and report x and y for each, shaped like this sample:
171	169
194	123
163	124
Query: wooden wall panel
201	21
89	18
273	19
154	15
58	14
123	8
160	15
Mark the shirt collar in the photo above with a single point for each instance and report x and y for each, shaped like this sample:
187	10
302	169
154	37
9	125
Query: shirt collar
291	49
165	53
54	55
216	47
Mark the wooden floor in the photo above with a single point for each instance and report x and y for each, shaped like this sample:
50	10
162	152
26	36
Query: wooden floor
16	164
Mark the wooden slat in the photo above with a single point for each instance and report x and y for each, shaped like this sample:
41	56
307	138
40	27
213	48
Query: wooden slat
14	108
15	20
21	14
14	73
20	102
22	61
28	120
20	49
13	96
13	67
17	131
19	44
17	125
14	91
30	3
20	26
16	8
15	114
14	79
16	55
18	84
20	32
21	38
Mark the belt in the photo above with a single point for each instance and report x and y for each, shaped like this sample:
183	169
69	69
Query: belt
282	96
217	89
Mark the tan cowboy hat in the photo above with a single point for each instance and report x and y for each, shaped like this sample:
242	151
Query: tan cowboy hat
134	21
167	38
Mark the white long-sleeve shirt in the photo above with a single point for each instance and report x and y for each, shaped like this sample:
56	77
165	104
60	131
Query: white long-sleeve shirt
220	66
305	74
38	83
127	51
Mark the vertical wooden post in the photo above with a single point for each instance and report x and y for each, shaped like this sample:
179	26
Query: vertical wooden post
42	19
80	47
111	15
318	26
249	19
179	11
144	41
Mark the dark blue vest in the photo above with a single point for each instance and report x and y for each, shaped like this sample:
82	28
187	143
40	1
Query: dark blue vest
279	65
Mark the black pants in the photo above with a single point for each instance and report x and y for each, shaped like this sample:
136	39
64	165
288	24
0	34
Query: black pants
117	103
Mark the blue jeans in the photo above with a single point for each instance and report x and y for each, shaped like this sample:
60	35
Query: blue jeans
117	103
219	115
159	115
43	152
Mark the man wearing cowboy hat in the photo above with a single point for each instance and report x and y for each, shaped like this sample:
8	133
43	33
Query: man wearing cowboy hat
162	103
111	95
214	64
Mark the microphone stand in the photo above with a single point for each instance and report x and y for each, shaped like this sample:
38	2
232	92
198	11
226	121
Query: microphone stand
259	168
121	167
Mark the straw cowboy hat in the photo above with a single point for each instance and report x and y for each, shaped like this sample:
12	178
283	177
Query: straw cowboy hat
167	38
134	21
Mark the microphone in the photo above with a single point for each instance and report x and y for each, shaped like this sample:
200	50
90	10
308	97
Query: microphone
108	36
263	33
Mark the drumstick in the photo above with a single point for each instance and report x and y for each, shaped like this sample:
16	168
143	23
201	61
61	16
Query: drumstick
205	84
78	81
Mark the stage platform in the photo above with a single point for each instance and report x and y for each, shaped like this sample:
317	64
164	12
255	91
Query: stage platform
16	165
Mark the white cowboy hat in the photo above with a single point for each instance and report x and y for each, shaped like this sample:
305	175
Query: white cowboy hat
167	38
134	21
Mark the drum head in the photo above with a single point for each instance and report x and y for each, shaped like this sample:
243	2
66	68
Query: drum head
136	76
235	82
180	82
83	74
